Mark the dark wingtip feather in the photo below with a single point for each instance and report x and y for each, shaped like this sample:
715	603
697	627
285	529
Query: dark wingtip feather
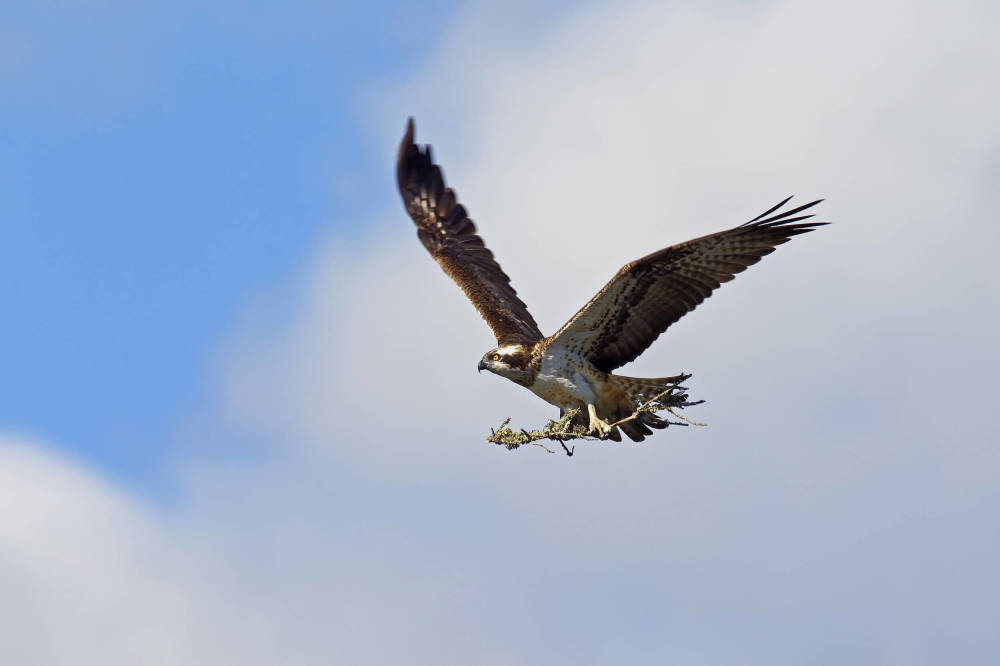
411	160
782	221
785	217
406	146
406	151
771	210
805	226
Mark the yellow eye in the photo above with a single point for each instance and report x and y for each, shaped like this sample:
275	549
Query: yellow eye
496	357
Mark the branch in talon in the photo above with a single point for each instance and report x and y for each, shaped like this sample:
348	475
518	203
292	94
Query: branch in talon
674	398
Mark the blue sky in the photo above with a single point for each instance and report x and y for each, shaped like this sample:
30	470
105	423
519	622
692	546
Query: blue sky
162	162
240	420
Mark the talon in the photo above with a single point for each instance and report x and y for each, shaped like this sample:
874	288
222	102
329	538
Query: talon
597	424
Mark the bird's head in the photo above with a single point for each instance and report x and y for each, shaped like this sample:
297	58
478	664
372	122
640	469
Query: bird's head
510	361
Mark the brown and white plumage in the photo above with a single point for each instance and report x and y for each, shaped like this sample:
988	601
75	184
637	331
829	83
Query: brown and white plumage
572	368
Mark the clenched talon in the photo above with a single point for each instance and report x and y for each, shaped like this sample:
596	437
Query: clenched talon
602	428
597	424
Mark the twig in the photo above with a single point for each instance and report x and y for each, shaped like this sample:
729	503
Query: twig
543	446
684	418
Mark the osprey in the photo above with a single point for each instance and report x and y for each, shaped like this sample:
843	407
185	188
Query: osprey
572	368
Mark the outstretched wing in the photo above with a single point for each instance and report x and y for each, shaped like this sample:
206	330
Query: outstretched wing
450	236
650	294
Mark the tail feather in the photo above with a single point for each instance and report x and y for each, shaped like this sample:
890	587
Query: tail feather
638	391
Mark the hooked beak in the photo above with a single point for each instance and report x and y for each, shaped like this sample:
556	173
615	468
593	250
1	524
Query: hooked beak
481	366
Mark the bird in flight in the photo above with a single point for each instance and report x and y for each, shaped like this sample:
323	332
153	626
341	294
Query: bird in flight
571	369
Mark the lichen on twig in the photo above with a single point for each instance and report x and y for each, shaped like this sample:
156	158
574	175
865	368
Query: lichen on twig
565	429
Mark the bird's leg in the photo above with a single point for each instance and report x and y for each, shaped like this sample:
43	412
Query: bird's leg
597	424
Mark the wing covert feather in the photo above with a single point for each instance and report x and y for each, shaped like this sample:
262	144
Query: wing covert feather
648	295
449	235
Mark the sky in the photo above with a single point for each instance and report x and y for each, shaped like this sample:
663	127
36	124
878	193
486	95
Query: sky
239	416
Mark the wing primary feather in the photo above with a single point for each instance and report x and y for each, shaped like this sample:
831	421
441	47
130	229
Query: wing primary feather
771	210
782	224
785	214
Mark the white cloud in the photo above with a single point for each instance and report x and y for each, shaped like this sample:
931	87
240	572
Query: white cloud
83	569
838	508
